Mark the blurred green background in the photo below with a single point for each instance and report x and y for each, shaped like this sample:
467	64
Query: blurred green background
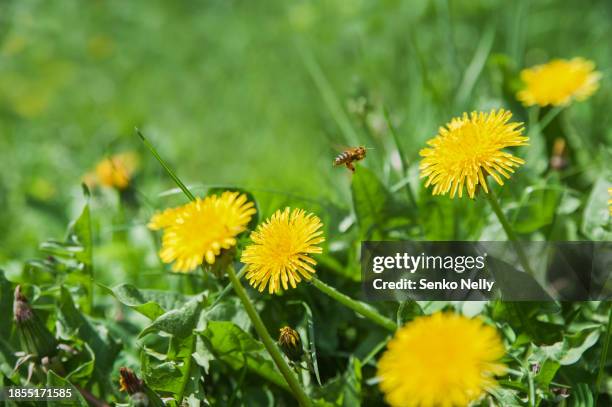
258	94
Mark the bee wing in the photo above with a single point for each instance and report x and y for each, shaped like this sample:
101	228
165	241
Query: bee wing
340	148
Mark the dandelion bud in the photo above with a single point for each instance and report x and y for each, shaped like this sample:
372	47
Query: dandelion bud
128	381
290	343
34	336
140	394
559	160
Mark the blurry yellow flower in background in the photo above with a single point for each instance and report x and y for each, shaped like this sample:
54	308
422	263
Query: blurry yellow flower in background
279	254
610	201
113	172
198	231
558	82
468	149
440	360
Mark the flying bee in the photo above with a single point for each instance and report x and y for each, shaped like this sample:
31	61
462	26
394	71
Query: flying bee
350	156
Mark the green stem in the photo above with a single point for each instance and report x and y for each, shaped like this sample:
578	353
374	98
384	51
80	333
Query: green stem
550	115
532	401
492	198
357	306
267	340
604	356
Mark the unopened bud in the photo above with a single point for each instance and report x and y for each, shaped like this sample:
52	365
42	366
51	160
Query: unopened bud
140	394
128	381
34	336
559	160
290	343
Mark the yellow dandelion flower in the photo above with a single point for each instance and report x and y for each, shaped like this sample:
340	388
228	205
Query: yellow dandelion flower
440	360
198	231
116	171
468	149
610	201
558	82
279	254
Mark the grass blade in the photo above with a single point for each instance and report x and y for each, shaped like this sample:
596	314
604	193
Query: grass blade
329	97
163	163
470	77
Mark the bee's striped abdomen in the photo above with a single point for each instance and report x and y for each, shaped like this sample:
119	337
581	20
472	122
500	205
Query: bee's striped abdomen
342	158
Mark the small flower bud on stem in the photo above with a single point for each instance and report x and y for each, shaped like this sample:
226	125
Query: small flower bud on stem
290	343
35	337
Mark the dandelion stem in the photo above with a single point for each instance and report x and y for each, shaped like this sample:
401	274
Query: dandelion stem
548	117
357	306
492	198
267	340
531	391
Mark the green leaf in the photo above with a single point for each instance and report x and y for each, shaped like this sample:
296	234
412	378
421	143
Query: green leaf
570	349
150	303
596	215
370	201
407	311
581	396
547	373
73	258
230	309
6	304
7	359
97	337
344	390
53	380
374	206
230	344
506	397
173	374
82	373
522	317
79	233
535	209
178	322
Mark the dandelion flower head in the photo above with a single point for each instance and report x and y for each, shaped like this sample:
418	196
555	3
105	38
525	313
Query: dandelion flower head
468	149
443	359
198	231
280	253
558	82
116	171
